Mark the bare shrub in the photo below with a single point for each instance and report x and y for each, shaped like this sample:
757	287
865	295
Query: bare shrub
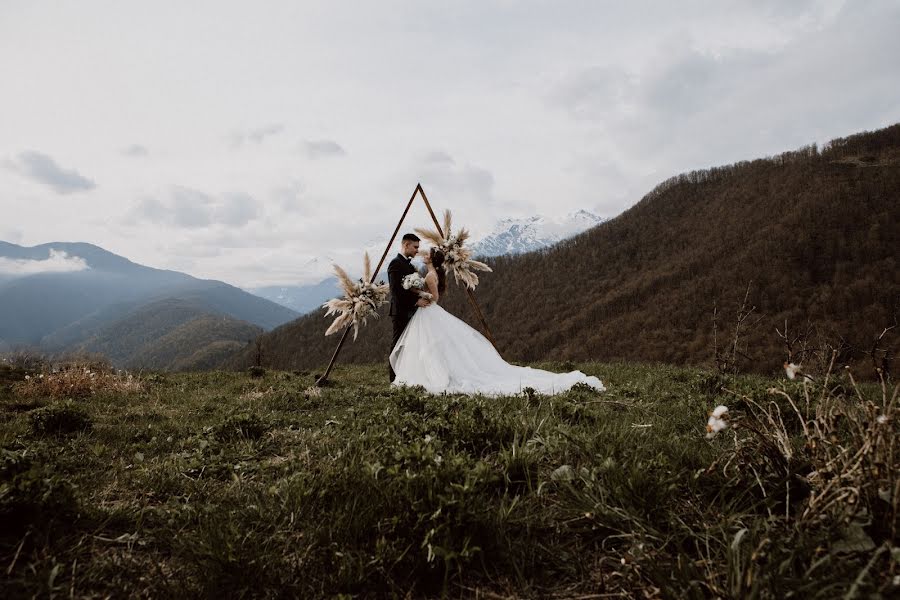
732	354
26	360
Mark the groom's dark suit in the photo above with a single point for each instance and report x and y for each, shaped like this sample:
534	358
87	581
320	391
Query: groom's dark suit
403	302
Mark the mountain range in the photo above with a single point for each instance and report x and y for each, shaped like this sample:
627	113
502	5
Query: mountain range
76	297
806	239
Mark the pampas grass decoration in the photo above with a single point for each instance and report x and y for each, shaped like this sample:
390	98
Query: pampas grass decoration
361	299
457	258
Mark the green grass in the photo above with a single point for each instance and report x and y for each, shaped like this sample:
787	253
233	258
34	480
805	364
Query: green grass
222	485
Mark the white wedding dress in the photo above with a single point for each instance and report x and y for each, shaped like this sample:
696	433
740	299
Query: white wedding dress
444	355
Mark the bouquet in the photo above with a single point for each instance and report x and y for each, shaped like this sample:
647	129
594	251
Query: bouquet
414	281
457	258
361	300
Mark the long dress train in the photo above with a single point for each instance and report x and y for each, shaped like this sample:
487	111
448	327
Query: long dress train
443	354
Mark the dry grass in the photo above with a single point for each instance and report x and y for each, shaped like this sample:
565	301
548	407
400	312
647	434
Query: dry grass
77	380
836	441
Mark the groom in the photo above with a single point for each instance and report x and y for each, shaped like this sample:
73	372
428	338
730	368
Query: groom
403	302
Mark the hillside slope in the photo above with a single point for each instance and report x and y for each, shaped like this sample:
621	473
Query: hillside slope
171	334
813	235
198	344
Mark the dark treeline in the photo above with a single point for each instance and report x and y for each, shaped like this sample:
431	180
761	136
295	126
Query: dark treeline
813	235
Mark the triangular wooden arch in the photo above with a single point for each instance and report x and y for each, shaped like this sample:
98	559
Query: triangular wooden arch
417	192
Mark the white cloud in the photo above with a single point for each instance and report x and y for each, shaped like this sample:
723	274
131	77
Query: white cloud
438	158
289	196
688	107
192	209
322	149
237	209
470	186
44	170
257	135
57	262
500	109
135	150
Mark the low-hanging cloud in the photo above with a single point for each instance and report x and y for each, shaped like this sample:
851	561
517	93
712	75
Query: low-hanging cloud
322	149
58	261
44	170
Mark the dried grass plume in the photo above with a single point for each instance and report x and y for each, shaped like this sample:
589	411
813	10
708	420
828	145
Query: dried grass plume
361	299
457	258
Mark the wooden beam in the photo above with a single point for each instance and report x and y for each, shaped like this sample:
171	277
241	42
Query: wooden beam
321	380
324	378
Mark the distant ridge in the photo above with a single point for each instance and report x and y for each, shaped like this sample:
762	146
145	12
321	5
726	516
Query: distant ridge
64	297
814	234
299	298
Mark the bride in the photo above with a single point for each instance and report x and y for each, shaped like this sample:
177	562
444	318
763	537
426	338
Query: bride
445	355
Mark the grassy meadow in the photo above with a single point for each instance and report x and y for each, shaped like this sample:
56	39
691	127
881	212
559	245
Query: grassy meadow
222	484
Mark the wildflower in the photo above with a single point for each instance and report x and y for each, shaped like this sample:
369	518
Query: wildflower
716	422
882	419
27	377
791	370
428	438
563	473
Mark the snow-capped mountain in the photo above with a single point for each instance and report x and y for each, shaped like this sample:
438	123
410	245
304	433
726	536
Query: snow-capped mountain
515	236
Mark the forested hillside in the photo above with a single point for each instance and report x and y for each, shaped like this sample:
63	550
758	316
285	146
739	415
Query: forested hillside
812	234
172	334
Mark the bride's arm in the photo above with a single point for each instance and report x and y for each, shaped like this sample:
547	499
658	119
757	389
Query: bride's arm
431	281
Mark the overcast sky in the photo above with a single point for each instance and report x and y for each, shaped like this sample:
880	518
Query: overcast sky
241	140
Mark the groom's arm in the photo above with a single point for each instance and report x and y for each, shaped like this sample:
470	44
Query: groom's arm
395	283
